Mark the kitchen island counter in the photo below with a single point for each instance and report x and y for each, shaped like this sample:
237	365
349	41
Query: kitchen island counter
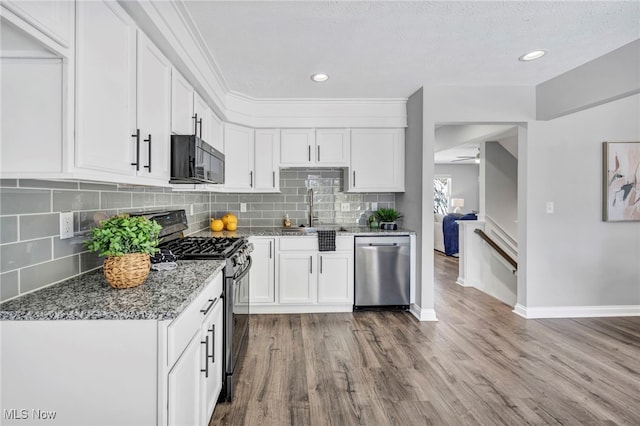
163	296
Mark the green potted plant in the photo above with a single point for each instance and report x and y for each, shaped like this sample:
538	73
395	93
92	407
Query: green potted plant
388	218
126	241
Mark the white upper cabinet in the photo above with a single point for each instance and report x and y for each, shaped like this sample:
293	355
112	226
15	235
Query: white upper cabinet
332	147
26	82
377	160
238	151
106	89
54	18
154	110
216	132
201	113
182	122
309	147
267	150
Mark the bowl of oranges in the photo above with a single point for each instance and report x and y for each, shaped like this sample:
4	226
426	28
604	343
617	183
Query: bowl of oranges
228	222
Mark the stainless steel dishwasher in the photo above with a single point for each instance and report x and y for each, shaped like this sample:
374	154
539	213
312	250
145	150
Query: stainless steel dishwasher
382	272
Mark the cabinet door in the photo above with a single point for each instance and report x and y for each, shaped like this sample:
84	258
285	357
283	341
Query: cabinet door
184	385
335	278
262	272
106	88
53	17
267	146
297	278
238	151
216	132
332	147
202	111
181	105
154	110
296	146
29	148
377	160
211	378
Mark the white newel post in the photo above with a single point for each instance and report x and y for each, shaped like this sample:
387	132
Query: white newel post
470	252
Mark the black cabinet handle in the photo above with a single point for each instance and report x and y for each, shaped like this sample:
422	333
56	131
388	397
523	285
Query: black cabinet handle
137	136
213	344
200	122
148	166
311	264
208	308
195	124
251	179
273	178
318	159
354	178
206	364
320	264
270	256
309	149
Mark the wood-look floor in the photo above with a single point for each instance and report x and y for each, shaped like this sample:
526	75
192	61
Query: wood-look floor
479	365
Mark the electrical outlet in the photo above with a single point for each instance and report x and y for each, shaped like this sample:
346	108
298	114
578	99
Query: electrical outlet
549	207
191	211
66	225
345	207
243	207
374	206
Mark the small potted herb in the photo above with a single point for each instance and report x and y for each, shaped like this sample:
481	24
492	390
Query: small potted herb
388	218
126	241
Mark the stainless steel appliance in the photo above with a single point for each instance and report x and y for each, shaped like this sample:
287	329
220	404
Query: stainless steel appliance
382	272
236	254
195	161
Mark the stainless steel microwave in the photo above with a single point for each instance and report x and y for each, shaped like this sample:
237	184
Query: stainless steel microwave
195	161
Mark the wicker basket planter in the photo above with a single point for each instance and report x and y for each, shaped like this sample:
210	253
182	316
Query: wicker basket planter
129	270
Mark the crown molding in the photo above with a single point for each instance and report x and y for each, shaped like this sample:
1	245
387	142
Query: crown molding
171	26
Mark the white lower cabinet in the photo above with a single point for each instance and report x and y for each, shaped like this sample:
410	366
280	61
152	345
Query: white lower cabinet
116	372
308	280
262	272
335	278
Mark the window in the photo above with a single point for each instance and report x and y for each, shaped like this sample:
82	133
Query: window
441	194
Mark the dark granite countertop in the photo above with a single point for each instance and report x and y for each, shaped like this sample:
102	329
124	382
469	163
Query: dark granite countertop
286	232
163	296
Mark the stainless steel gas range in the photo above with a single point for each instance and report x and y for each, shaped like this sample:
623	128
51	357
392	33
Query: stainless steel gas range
236	254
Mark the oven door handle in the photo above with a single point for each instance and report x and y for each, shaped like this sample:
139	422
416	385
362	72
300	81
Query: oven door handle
245	271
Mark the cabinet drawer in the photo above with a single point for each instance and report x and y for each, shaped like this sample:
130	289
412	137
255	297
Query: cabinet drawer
182	329
310	243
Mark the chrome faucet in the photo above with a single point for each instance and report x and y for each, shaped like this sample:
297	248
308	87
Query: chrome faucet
311	217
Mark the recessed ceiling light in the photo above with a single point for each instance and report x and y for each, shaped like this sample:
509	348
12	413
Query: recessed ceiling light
534	54
319	78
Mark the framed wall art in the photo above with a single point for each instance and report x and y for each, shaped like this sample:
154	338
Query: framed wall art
621	181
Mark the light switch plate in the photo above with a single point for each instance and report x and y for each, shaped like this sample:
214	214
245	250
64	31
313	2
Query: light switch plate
374	206
66	225
243	207
345	207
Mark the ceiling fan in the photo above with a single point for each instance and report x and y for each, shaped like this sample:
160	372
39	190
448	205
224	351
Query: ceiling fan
468	157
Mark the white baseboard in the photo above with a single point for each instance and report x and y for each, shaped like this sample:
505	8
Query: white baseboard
577	311
299	309
467	283
423	314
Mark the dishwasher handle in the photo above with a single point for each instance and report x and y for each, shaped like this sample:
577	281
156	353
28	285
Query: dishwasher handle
383	245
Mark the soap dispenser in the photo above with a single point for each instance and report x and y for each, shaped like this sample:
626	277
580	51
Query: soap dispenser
287	222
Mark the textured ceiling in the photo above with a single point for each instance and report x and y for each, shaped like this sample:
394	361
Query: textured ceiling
268	49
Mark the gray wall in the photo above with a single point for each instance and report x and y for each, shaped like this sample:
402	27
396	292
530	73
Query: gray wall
464	183
501	187
268	210
574	258
410	201
31	253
